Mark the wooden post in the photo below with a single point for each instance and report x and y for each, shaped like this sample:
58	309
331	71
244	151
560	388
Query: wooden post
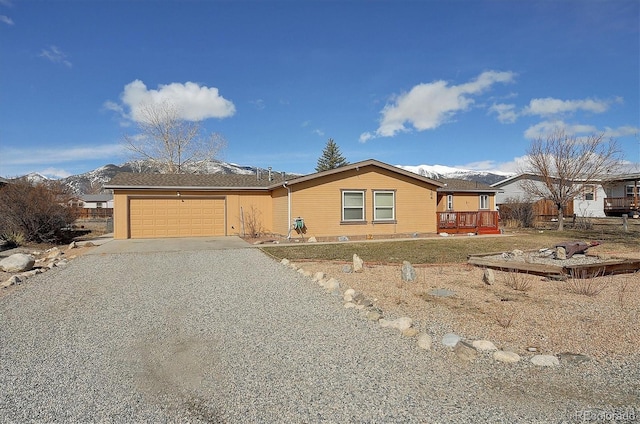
625	224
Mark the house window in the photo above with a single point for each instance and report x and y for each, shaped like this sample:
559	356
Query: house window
384	206
484	201
353	205
589	192
630	190
99	205
449	202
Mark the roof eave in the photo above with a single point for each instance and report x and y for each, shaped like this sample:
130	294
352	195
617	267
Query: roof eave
189	188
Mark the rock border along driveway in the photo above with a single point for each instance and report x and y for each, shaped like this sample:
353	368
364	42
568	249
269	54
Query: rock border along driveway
233	336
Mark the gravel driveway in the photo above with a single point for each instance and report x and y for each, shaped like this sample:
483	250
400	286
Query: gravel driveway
233	336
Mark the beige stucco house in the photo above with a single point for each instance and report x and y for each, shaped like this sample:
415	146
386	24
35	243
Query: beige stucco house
368	199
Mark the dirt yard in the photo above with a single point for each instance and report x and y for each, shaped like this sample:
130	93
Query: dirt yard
550	316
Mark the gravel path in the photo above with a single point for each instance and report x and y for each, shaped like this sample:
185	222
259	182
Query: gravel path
232	336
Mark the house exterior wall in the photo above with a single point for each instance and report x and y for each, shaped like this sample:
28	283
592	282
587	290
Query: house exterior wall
280	211
581	207
514	191
464	202
591	208
94	205
319	203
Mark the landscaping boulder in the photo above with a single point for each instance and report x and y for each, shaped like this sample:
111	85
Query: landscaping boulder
357	263
504	356
450	339
408	272
425	341
465	351
400	324
545	361
18	262
489	277
484	345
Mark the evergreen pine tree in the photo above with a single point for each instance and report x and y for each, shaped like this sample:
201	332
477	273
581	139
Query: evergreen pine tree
331	157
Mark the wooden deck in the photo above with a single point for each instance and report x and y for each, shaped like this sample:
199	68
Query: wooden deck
478	222
616	206
605	267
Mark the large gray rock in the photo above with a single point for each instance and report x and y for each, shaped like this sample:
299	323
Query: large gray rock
408	272
18	262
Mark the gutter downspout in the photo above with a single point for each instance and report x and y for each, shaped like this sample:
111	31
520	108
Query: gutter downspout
285	185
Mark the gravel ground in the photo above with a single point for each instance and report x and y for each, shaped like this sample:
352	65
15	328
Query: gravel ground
232	336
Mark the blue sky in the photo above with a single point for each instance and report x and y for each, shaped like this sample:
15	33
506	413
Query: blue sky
466	84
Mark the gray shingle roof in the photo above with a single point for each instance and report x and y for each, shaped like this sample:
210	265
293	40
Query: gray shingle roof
204	181
455	184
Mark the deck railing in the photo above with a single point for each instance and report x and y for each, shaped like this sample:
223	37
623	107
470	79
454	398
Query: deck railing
620	204
480	222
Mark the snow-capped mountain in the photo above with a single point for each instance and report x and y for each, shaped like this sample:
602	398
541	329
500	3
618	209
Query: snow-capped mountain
440	171
91	182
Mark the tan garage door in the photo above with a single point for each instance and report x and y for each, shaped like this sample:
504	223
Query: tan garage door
176	217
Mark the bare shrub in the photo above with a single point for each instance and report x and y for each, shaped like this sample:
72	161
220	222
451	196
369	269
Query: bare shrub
623	292
586	284
517	281
506	317
253	222
39	212
517	213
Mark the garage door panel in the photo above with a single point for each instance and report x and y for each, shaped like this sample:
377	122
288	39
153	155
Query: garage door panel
153	218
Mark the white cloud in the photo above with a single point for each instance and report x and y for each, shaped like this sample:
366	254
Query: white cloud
427	106
55	55
506	112
193	101
550	106
318	132
544	128
55	173
364	137
60	155
621	131
5	19
259	104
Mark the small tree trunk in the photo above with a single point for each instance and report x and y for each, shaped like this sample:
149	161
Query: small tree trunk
560	218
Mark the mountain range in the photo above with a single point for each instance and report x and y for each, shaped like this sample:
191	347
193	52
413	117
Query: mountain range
91	182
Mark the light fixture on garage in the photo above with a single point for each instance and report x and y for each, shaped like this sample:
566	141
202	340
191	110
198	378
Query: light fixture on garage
178	194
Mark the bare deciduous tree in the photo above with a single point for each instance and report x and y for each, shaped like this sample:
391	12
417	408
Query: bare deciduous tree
174	144
566	164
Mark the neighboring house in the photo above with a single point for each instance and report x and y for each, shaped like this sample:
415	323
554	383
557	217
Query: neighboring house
589	203
95	205
3	181
368	199
467	206
623	195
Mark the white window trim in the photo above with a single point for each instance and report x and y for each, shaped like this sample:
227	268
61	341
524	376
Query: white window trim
375	206
484	198
363	219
